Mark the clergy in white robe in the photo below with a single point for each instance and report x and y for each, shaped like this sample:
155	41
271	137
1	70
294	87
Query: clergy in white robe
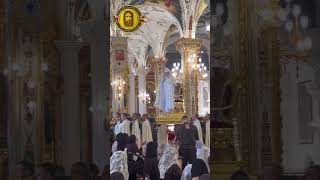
207	138
146	133
125	126
136	131
197	124
117	126
146	130
165	93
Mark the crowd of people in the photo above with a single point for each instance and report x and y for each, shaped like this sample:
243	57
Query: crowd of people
50	171
183	155
139	154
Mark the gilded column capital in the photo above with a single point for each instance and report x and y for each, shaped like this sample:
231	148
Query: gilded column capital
188	44
142	71
159	61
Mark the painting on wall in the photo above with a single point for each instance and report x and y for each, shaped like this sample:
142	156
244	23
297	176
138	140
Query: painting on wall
119	55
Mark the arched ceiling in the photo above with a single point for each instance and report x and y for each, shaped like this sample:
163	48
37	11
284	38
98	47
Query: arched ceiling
191	13
154	30
166	23
138	47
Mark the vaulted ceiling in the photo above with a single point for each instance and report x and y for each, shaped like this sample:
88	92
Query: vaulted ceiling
166	23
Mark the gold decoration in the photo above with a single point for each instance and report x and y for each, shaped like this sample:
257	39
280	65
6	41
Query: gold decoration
189	49
169	118
173	117
129	18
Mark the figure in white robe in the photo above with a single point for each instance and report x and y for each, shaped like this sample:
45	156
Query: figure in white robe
125	127
165	93
146	133
136	131
117	129
197	123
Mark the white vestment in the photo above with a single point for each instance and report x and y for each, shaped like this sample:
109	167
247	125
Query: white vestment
136	131
165	94
125	127
207	140
146	132
197	123
117	127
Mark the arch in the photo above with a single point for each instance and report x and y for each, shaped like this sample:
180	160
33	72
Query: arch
138	46
159	21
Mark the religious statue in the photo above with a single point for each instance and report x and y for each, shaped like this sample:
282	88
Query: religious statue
165	92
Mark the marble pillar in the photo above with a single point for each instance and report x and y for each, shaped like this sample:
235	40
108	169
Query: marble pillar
142	74
132	94
71	131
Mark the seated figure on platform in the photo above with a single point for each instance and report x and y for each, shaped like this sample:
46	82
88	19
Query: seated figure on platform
165	92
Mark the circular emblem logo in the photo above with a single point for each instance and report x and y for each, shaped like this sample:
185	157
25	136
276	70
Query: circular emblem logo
128	18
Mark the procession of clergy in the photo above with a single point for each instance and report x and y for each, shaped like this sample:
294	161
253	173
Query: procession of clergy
143	150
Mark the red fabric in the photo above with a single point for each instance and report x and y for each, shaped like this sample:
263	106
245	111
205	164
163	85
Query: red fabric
171	136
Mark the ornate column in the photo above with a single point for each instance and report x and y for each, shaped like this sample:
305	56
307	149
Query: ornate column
95	33
71	131
132	94
142	73
189	50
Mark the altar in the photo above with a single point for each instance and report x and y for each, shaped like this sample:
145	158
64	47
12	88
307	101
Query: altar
173	117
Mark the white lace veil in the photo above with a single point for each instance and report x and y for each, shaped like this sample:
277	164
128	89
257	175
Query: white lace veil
119	163
169	158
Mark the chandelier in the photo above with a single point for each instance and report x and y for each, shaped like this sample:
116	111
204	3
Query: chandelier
145	97
197	65
118	85
176	71
201	68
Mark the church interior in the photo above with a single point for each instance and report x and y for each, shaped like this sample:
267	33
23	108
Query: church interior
236	79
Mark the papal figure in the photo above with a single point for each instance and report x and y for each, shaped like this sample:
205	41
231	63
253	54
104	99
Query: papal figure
165	92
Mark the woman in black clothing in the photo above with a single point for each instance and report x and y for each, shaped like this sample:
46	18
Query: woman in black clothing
151	162
199	168
135	161
132	146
